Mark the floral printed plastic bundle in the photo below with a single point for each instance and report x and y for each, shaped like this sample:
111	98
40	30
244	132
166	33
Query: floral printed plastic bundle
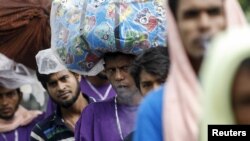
85	30
67	38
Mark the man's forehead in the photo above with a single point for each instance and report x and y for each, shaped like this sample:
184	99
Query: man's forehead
59	74
147	77
119	61
5	90
200	4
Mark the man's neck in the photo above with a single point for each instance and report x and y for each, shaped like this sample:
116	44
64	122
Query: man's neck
76	108
133	100
7	119
72	114
96	81
196	64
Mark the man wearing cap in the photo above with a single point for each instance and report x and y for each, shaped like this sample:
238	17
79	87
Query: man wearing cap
63	88
96	87
16	122
113	119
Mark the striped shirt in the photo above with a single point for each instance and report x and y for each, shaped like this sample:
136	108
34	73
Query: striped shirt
52	128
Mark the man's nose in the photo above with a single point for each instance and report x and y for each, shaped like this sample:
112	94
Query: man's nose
4	100
61	86
118	75
204	22
156	85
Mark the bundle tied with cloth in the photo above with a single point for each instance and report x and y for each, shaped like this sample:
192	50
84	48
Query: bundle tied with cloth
13	76
24	29
83	31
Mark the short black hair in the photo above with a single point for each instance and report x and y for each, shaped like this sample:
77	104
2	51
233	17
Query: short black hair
18	90
113	55
154	61
44	78
173	4
20	93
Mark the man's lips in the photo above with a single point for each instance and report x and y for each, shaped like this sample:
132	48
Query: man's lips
64	94
202	42
122	87
6	110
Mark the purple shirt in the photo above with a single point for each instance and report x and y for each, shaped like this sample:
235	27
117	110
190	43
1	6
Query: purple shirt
87	90
21	133
98	122
99	93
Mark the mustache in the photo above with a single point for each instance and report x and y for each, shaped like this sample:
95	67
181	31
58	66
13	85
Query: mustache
121	85
60	93
203	41
6	107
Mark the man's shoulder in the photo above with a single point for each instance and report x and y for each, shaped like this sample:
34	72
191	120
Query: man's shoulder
155	95
97	108
51	128
36	120
153	101
101	104
40	117
47	122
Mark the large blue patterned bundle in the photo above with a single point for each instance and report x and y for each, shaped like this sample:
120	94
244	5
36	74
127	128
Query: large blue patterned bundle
85	30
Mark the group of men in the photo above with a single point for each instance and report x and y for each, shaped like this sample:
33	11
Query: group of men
171	112
117	113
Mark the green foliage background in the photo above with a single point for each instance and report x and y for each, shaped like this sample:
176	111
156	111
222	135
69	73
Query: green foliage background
245	4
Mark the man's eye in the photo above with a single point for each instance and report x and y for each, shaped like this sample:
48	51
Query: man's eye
146	85
110	71
243	102
52	84
125	68
161	81
190	14
64	78
11	94
214	11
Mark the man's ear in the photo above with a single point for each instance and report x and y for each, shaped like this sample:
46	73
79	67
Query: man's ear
78	77
20	94
104	72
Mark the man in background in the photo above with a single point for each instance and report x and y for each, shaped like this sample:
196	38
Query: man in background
192	24
150	69
114	119
16	122
63	87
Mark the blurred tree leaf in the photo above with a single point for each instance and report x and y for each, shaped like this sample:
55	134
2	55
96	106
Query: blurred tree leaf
245	4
